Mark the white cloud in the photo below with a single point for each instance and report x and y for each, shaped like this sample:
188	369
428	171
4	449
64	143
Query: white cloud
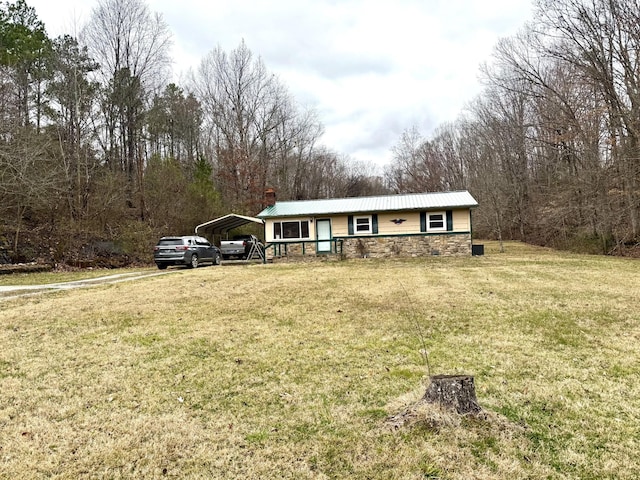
371	68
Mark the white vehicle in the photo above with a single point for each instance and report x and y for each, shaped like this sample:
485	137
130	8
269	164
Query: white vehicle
241	246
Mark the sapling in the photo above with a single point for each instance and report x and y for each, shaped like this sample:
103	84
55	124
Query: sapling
418	330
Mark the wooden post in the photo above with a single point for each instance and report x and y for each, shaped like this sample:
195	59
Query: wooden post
455	392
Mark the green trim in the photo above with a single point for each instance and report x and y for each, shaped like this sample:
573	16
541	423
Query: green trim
431	234
336	247
345	237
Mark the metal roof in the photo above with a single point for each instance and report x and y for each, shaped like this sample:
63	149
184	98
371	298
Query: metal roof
386	203
226	223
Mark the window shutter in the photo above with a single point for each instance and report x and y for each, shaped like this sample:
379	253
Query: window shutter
350	224
374	223
423	221
449	220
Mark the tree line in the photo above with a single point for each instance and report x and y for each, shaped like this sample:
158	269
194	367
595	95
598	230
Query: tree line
98	150
551	147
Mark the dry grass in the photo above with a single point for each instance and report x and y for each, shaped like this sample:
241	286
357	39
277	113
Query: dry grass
64	276
291	371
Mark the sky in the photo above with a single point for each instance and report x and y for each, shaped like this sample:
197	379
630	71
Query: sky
370	68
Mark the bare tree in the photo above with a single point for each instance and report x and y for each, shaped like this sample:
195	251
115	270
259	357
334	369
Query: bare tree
71	103
236	90
361	178
256	134
416	166
300	167
124	34
448	146
131	44
29	180
486	169
601	38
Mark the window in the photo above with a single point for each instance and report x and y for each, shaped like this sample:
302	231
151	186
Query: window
363	224
170	241
291	230
436	221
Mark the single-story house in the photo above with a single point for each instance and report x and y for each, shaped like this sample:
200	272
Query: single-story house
411	225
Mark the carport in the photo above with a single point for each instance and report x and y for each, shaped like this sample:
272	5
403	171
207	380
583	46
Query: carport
221	226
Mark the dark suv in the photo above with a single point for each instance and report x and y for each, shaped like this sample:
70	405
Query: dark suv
188	250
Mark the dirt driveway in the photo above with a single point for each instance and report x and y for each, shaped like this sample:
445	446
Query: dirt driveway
13	291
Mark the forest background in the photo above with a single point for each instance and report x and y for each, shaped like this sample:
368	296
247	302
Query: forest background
100	154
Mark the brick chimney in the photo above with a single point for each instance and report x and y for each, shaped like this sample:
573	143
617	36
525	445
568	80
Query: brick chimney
269	197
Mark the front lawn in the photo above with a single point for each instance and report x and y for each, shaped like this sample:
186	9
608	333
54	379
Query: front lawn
293	370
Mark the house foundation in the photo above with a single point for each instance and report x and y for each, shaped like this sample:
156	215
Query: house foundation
408	246
405	246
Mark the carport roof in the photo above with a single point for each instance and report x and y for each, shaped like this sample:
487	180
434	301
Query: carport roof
226	223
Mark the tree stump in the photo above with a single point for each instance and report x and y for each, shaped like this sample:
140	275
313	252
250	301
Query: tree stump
455	392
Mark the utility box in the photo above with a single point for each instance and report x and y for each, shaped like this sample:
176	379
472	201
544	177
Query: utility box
477	250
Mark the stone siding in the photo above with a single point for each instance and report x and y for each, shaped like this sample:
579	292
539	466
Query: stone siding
407	246
295	249
380	247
